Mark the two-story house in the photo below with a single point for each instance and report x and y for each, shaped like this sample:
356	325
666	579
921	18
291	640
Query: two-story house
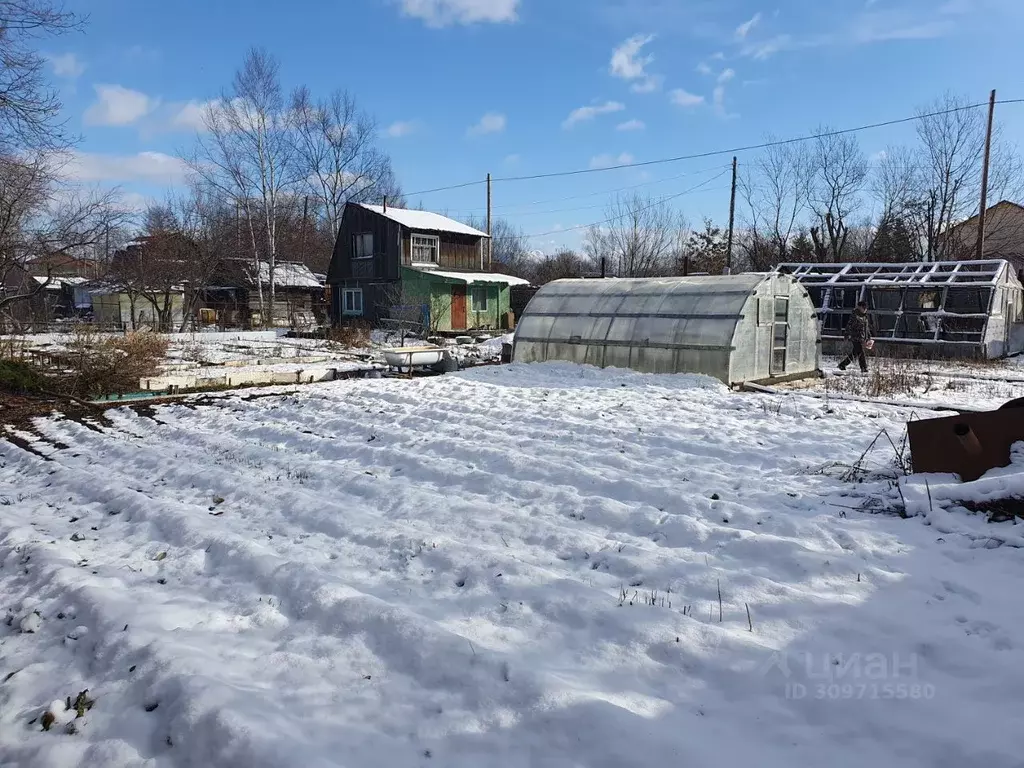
398	264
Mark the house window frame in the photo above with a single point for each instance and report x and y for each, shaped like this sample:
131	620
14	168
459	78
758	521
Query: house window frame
435	239
355	245
355	293
478	306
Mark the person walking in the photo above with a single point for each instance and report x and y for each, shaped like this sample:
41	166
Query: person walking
858	334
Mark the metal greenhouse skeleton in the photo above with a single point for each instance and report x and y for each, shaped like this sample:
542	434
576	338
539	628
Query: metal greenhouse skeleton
947	308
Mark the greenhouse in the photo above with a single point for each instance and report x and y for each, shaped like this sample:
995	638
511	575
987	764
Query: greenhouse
736	328
938	309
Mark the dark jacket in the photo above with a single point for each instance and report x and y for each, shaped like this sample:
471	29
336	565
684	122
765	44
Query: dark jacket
857	329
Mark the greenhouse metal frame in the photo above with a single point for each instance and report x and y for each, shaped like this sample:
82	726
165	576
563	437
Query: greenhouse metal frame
945	308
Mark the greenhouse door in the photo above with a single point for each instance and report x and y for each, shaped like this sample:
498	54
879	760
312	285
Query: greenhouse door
780	336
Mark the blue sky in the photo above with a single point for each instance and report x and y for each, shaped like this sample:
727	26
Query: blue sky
519	87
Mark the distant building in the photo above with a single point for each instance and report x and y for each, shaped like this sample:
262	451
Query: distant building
1004	235
395	264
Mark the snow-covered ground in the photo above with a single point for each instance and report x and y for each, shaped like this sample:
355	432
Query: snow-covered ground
949	383
512	566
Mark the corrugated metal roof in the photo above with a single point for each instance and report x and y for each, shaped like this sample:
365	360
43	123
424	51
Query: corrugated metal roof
423	220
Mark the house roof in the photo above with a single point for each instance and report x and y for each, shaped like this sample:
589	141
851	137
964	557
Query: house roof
290	274
974	218
424	221
59	282
473	277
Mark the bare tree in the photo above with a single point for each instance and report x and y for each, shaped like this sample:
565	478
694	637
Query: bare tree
564	264
508	246
337	157
43	216
775	191
640	238
248	156
952	136
29	107
839	173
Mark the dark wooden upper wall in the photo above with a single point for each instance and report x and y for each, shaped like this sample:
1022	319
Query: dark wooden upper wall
392	248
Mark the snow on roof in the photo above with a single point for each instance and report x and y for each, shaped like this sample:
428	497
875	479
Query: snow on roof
289	274
58	282
476	277
424	220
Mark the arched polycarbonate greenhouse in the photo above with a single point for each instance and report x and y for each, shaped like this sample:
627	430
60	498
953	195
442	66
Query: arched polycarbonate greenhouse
736	328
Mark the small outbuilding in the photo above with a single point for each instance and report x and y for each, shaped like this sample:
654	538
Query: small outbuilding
934	309
736	328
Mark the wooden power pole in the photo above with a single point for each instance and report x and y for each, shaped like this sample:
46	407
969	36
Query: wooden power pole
732	221
984	177
490	243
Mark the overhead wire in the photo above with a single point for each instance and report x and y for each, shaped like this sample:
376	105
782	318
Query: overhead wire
720	152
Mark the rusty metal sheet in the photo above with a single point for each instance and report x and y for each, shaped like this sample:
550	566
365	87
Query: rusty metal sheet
968	444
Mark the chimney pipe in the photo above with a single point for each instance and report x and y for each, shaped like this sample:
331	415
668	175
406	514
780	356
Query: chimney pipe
967	439
602	267
385	203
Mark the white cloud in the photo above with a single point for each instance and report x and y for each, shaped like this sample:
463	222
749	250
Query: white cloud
583	114
513	160
626	61
628	64
117	105
726	75
443	13
703	69
683	98
492	122
67	65
744	29
155	167
611	161
190	116
770	47
718	100
401	128
631	125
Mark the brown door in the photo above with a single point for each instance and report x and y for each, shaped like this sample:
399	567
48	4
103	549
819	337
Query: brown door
458	307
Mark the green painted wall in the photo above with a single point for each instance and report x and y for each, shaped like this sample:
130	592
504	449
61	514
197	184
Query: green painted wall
436	292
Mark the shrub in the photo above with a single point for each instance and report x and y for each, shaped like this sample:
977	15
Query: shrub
354	334
98	365
20	377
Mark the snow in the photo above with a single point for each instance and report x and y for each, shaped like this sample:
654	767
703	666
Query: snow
453	571
424	220
289	274
948	383
476	277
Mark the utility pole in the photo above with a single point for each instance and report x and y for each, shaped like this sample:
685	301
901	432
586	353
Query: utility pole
732	221
984	177
490	243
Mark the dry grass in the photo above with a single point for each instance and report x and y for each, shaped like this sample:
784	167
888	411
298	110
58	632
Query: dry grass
352	335
886	377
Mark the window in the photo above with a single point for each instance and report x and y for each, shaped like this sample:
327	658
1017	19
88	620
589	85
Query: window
480	299
352	301
363	246
425	249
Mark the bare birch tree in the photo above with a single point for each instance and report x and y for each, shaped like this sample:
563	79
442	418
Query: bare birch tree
247	155
337	157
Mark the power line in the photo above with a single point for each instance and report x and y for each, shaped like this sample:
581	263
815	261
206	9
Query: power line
718	152
609	220
510	209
